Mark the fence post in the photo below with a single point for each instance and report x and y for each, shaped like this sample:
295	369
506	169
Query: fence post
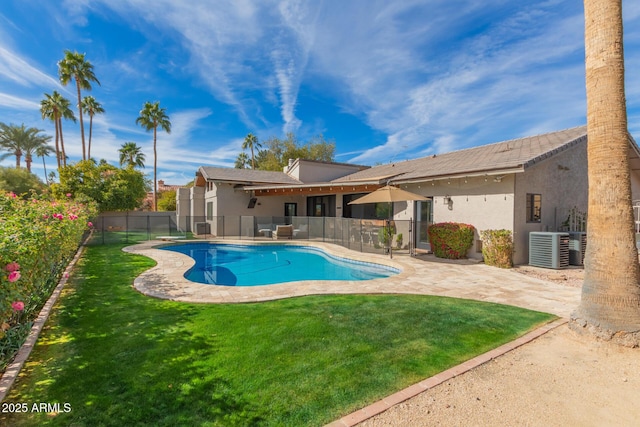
148	227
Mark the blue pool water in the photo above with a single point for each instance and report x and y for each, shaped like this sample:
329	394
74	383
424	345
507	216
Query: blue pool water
254	265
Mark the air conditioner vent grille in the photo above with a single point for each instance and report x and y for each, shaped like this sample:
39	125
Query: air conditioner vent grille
549	250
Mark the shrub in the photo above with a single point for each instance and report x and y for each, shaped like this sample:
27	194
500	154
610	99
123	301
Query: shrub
497	248
37	240
451	240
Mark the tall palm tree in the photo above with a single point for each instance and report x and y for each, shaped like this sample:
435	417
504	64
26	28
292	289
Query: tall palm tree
131	155
55	107
152	116
610	303
74	66
44	151
21	141
92	107
251	142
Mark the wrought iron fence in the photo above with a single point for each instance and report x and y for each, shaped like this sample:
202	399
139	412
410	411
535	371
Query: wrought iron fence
364	235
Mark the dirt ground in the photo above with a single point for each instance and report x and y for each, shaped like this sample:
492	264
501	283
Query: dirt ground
559	379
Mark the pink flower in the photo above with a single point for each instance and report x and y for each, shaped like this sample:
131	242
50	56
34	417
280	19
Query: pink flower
66	275
68	194
17	305
14	276
90	224
12	194
12	266
45	216
73	217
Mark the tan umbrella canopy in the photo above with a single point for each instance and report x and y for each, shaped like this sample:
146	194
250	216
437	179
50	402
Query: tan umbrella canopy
387	194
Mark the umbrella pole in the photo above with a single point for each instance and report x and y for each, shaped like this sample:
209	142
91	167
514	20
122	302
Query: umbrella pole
389	236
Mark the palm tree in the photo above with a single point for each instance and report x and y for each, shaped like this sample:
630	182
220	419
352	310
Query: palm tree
610	303
19	141
74	66
242	160
131	155
44	151
55	107
152	116
34	143
92	107
251	142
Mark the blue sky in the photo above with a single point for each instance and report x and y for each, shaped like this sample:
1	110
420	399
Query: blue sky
386	80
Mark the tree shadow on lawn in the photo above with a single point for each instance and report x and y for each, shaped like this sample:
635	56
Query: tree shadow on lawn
128	360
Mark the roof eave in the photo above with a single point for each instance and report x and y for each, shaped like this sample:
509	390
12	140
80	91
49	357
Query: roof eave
474	174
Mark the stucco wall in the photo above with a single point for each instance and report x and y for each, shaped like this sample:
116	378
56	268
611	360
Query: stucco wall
483	202
309	172
183	208
562	183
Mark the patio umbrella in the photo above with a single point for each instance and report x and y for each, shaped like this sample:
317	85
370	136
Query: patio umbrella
388	194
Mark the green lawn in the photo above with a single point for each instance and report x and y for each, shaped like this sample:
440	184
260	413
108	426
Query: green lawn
119	358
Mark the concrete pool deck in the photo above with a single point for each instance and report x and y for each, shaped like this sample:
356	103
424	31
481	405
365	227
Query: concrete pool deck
471	281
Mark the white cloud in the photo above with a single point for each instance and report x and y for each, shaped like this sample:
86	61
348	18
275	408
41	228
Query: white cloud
18	71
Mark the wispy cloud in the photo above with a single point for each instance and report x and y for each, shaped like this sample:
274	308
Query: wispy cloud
19	71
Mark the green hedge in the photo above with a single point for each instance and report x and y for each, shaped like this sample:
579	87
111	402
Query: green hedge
497	248
451	240
37	240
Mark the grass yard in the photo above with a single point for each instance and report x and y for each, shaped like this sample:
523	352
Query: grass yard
118	358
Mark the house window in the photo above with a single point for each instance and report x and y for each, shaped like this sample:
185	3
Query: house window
209	211
290	209
534	207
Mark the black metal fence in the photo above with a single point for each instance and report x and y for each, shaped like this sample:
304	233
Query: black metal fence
373	236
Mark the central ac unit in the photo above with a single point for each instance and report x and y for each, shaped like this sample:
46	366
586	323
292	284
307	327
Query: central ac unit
549	250
577	247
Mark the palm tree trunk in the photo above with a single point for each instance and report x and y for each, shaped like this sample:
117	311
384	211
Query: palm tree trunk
84	153
28	160
44	166
155	166
18	160
57	145
90	132
64	154
610	304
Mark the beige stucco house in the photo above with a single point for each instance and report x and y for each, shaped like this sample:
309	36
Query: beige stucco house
523	185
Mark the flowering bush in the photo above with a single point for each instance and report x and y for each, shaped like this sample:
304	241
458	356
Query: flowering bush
38	238
451	240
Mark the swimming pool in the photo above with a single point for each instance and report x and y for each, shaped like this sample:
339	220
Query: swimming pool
255	265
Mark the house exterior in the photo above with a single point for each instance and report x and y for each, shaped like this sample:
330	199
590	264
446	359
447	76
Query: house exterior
523	185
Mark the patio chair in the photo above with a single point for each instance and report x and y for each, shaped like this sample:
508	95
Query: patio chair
283	232
302	232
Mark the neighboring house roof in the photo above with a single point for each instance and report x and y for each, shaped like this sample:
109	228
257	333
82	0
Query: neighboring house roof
507	156
247	176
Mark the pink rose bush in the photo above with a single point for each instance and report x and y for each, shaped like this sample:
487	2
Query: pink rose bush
38	238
